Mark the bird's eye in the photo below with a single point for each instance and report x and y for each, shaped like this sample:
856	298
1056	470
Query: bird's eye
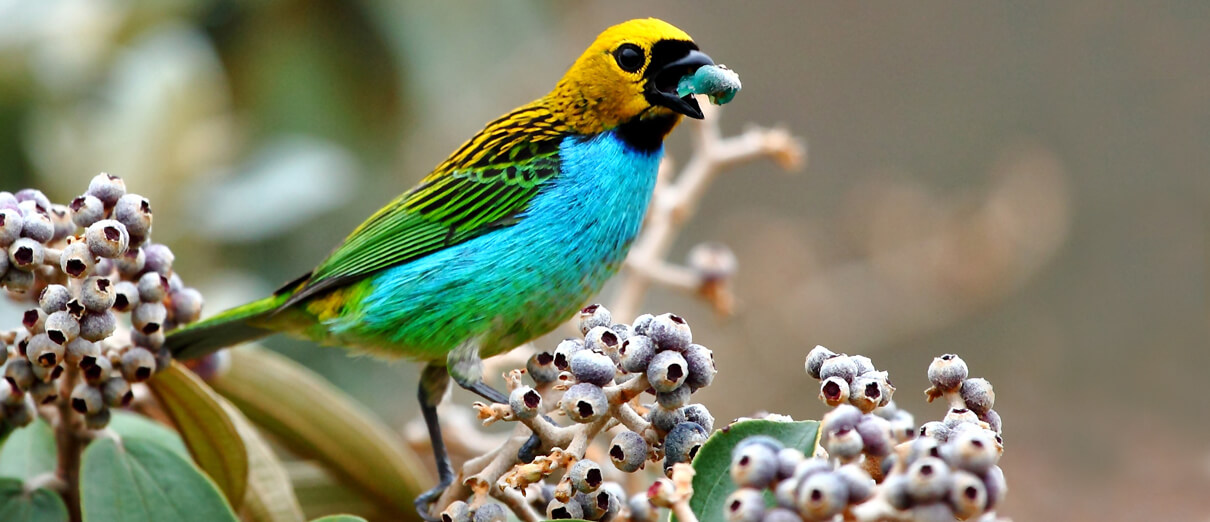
629	57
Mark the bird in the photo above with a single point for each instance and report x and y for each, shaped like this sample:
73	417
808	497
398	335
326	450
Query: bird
504	240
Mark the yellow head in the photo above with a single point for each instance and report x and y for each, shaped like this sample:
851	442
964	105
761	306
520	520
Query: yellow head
630	73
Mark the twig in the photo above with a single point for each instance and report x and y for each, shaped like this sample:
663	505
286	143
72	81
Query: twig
675	202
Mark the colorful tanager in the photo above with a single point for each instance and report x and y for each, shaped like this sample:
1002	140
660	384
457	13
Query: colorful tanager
504	240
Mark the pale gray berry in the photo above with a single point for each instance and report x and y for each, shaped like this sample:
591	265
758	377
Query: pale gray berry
978	395
876	438
37	226
670	332
134	211
843	444
131	263
673	399
585	403
592	367
667	371
525	402
682	443
11	224
148	318
107	188
54	298
158	258
699	414
864	364
839	366
138	364
541	368
126	296
565	350
186	305
81	353
490	512
18	281
857	481
87	210
97	294
457	511
993	421
628	451
641	323
843	417
107	238
557	510
62	327
744	505
43	392
150	341
700	361
996	486
19	373
592	316
153	287
928	480
975	451
86	399
586	476
26	254
935	429
43	351
822	496
664	419
635	353
99	372
967	495
96	326
947	372
77	260
754	466
60	217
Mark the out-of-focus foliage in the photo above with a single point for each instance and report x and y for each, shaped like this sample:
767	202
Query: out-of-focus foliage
1019	183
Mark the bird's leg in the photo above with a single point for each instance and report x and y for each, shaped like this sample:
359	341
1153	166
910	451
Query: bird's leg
434	380
466	368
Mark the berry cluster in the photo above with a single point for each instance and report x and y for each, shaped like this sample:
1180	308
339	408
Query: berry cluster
602	378
869	464
80	266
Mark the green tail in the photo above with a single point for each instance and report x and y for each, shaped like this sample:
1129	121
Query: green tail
229	328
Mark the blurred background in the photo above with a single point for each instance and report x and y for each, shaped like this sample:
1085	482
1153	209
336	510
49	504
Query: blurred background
1024	185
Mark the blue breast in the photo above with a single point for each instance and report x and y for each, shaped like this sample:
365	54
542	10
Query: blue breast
511	285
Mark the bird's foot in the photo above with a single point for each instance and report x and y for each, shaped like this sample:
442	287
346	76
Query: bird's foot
425	501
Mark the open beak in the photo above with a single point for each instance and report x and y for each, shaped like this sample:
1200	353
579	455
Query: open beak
662	84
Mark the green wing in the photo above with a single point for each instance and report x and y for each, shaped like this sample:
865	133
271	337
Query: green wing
482	187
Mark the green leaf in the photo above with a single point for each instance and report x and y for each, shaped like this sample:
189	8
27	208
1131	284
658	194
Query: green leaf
206	429
134	426
138	480
39	505
316	421
29	452
712	482
269	497
339	518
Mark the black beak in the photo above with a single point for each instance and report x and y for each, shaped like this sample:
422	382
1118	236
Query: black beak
663	79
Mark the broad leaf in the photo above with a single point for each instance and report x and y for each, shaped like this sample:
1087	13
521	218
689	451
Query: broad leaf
140	481
269	497
39	505
712	483
315	420
205	427
134	426
29	452
339	518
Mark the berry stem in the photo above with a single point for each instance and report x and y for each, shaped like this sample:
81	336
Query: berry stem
70	445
